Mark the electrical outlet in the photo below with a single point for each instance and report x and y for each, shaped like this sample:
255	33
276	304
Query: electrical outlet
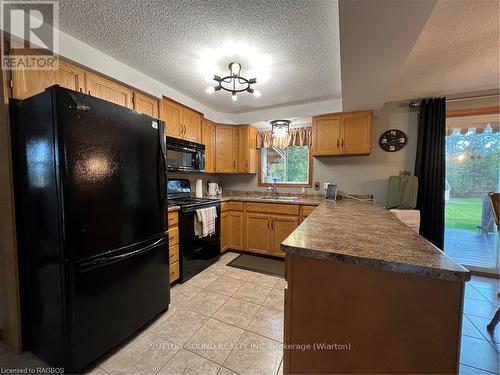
317	185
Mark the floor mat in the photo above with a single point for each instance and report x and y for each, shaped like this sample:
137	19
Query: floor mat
269	266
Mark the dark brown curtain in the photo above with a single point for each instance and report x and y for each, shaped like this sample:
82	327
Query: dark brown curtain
430	169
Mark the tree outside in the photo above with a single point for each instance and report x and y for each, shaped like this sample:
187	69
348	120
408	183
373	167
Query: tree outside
289	164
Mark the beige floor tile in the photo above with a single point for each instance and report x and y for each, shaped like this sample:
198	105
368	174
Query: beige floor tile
180	326
185	362
203	279
252	293
246	359
227	257
186	289
146	355
214	340
225	285
275	300
226	371
261	279
96	371
206	302
280	284
268	322
237	273
217	268
236	312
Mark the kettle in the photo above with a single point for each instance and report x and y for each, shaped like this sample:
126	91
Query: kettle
213	189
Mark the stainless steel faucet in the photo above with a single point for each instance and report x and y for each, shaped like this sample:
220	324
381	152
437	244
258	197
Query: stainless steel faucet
273	189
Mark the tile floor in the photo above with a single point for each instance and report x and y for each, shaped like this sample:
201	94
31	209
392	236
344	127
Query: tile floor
230	321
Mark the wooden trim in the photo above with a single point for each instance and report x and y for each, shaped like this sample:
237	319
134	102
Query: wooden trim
285	184
473	111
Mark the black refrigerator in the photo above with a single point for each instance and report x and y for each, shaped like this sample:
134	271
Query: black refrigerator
90	193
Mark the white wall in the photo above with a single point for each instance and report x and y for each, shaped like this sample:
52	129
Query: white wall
358	174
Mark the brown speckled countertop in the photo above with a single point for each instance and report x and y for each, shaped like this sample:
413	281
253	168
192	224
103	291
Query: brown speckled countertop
173	208
313	201
366	234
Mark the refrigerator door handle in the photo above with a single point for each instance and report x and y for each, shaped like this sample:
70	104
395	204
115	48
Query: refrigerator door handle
101	262
163	171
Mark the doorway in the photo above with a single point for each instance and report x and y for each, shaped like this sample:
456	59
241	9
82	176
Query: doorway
472	170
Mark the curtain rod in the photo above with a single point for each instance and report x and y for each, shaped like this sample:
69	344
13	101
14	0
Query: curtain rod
416	104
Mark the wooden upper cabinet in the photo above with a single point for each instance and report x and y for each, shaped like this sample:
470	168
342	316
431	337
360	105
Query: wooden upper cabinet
226	148
26	83
357	133
170	113
191	123
247	149
109	90
347	133
146	104
182	122
208	139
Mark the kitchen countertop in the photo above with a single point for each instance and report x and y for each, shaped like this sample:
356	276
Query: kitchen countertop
173	208
365	233
310	201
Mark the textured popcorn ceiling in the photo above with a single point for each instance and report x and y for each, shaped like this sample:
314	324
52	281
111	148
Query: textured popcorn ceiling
457	51
164	39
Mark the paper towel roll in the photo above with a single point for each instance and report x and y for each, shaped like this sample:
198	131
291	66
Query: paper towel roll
199	188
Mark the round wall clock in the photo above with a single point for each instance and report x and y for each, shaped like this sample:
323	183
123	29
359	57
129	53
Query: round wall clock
393	140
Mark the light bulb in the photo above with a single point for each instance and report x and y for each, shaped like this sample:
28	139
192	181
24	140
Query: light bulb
235	69
234	97
210	90
257	93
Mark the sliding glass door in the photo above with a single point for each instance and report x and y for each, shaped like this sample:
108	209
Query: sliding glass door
472	170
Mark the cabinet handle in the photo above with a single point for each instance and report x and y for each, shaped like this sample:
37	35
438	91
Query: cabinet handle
338	143
268	224
342	142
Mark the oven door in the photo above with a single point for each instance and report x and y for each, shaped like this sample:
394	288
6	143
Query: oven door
184	158
195	253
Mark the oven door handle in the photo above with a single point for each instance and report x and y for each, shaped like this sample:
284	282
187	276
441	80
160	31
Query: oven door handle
192	209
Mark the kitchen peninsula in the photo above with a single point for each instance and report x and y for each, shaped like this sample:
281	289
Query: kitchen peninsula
380	296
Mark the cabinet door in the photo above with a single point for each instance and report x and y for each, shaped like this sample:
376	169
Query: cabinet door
109	90
27	83
226	146
326	135
224	231
191	124
208	139
247	149
146	104
356	137
236	230
258	232
170	113
282	227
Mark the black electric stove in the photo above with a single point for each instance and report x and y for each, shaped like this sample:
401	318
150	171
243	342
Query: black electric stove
195	254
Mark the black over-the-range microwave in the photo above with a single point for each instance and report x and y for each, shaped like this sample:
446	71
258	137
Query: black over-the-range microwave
185	156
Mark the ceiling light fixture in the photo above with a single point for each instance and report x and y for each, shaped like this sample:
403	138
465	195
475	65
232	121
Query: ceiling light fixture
234	83
280	128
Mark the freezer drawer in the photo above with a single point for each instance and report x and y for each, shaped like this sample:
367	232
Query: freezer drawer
110	302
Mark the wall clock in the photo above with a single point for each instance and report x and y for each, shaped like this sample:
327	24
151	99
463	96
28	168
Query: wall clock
393	140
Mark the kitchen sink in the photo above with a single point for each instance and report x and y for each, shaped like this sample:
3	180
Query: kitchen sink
281	198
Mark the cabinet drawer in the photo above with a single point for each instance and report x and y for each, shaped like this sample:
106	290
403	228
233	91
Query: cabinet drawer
273	208
173	219
306	210
173	236
232	206
173	254
174	272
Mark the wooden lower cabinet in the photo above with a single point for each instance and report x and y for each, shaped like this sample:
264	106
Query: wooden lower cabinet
224	231
173	243
236	230
306	211
282	227
383	322
257	232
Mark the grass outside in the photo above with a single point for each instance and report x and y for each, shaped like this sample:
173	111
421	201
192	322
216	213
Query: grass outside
463	213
